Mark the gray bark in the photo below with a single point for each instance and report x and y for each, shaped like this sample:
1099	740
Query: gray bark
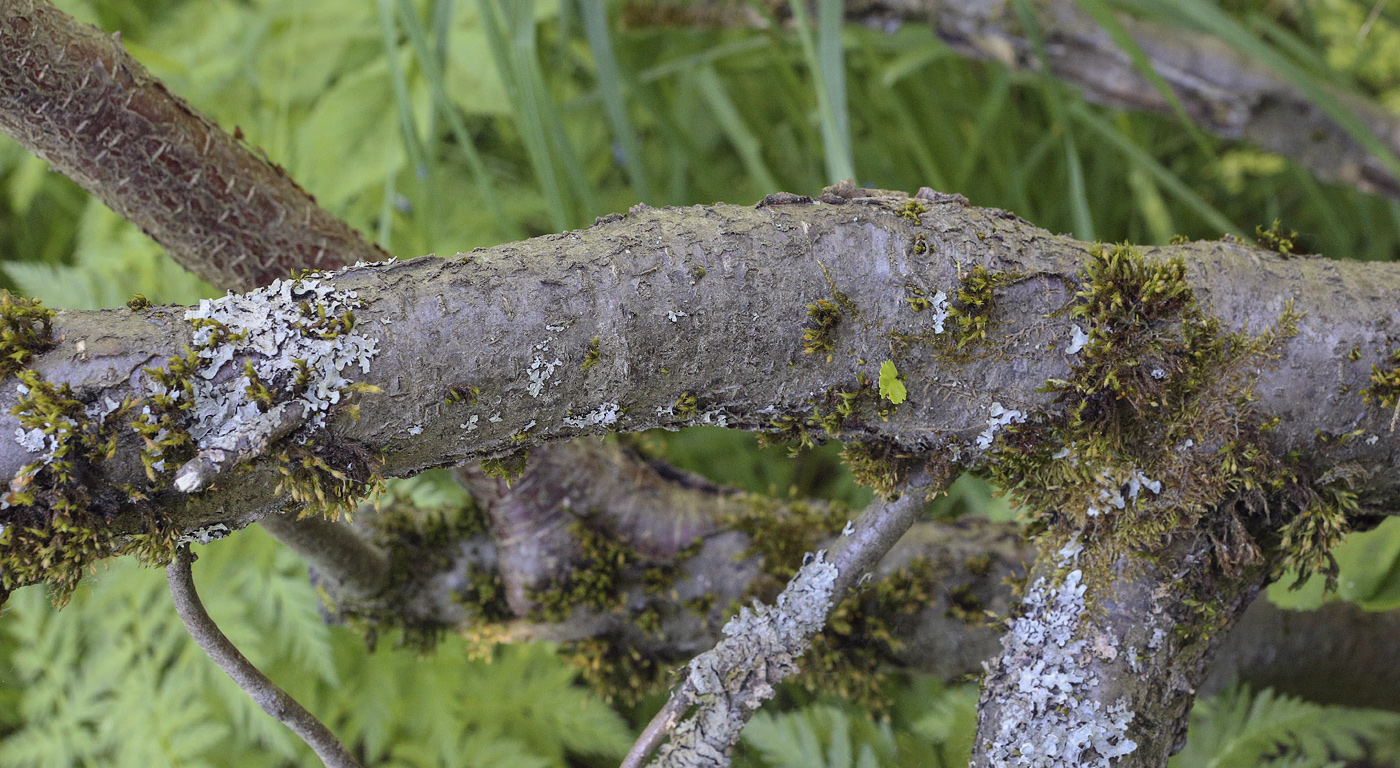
498	319
693	316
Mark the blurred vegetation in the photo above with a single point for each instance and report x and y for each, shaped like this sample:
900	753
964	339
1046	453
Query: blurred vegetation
438	126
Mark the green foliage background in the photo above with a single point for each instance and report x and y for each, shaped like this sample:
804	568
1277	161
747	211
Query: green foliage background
438	126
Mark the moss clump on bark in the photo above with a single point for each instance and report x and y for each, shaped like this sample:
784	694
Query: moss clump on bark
1155	434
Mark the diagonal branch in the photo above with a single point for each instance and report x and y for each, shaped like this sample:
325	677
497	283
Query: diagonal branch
264	692
76	98
728	683
1222	90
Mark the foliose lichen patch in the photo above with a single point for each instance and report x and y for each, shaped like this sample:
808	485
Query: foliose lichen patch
1050	717
296	339
760	648
260	366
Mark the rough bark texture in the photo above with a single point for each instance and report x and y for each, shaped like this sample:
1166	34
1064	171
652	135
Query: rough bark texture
1104	674
517	323
633	324
74	97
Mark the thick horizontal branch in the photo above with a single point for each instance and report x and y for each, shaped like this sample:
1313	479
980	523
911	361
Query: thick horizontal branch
691	316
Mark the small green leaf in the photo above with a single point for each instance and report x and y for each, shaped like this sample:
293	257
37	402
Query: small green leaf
891	388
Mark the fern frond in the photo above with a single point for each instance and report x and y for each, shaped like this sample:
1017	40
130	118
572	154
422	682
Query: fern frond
1239	727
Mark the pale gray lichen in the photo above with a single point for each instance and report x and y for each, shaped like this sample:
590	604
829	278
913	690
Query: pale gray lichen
206	534
604	415
35	440
1049	718
287	331
539	374
940	311
761	647
1000	417
1078	341
715	418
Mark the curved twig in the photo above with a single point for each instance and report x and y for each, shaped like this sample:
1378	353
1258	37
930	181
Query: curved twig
264	692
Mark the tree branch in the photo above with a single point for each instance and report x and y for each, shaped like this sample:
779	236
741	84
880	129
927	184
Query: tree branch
729	682
516	324
264	692
74	97
1223	90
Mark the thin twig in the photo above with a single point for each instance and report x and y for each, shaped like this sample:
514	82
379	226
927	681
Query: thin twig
264	692
728	683
659	727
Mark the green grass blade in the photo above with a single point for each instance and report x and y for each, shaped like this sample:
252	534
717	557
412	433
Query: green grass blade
1168	180
1099	11
826	62
989	117
1210	18
543	112
696	60
437	85
1078	196
610	82
526	109
403	101
386	211
1080	211
734	128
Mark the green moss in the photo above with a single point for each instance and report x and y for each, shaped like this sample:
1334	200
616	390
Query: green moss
485	596
861	638
972	310
916	298
596	582
421	543
256	390
881	466
26	329
782	533
138	302
1384	389
686	405
911	210
462	394
508	467
57	525
615	669
590	358
317	484
1281	241
822	319
1306	541
1151	396
794	431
